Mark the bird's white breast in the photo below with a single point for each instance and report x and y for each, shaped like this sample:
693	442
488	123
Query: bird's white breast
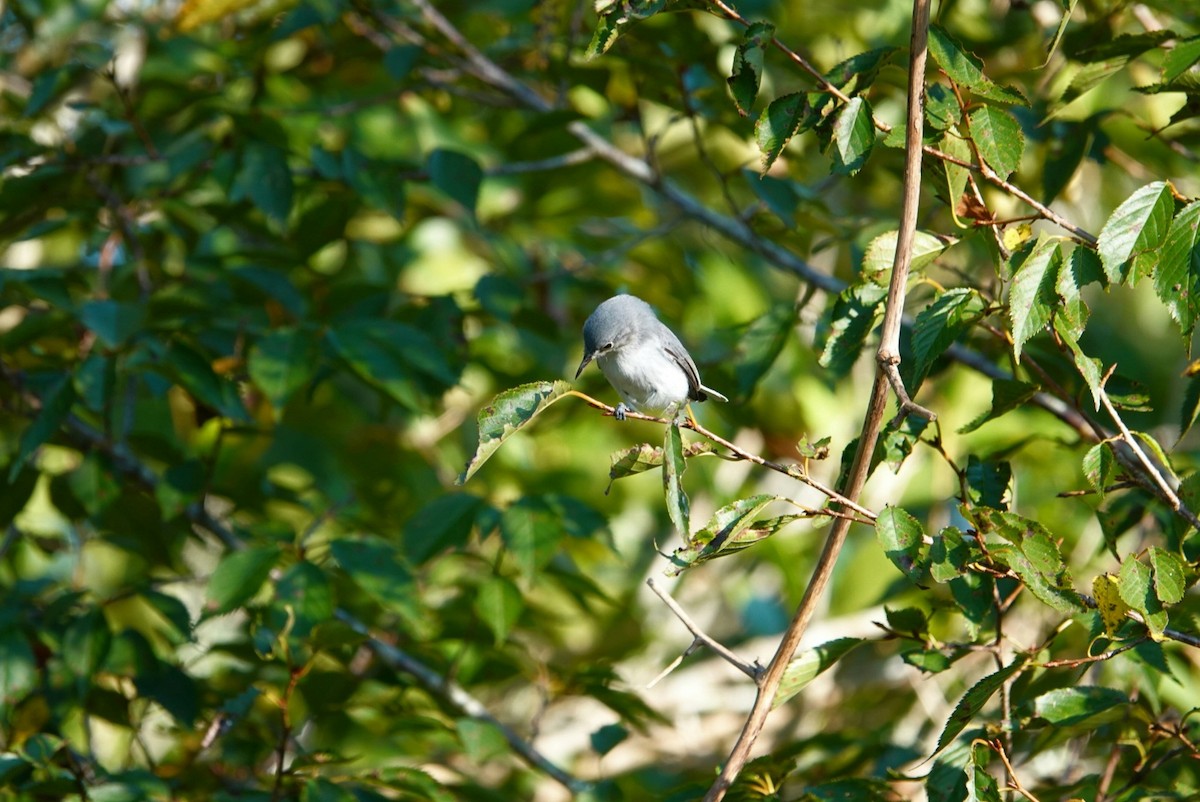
646	377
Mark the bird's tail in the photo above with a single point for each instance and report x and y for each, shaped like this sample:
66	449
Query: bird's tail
713	394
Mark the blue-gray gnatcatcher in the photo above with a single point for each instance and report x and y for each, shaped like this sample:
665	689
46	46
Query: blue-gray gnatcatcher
641	358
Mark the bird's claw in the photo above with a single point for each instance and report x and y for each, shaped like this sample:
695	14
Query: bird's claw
620	412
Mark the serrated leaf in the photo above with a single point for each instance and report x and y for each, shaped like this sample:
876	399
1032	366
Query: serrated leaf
1098	466
784	117
938	326
988	481
852	318
942	109
1007	395
732	528
673	467
615	19
998	136
747	69
881	253
239	576
1180	58
982	786
809	664
1032	297
1177	278
506	415
965	69
645	457
1109	604
950	554
853	136
1156	453
901	536
973	701
1130	239
1078	270
1136	589
1169	582
1089	368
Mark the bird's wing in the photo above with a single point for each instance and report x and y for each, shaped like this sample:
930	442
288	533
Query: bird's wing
682	358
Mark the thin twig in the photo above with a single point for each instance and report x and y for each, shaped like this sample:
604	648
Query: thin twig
751	670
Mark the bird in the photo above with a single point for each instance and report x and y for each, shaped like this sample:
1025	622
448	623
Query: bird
642	359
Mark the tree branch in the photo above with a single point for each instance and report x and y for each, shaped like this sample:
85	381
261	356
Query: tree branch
751	670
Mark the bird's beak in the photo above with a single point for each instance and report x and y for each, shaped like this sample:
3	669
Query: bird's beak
586	359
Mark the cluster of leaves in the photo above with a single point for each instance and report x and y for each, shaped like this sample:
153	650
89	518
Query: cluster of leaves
261	262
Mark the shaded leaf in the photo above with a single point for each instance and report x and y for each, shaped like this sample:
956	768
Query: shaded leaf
281	363
673	467
853	136
443	523
939	325
457	175
1177	278
852	318
748	64
810	664
784	117
1007	395
972	702
239	576
507	414
56	405
498	603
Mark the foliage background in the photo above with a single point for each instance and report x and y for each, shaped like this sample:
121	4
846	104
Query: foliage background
264	262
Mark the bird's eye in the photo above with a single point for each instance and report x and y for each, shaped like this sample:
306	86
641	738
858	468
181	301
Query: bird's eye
606	347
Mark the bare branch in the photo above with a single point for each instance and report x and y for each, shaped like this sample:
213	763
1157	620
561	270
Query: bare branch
751	670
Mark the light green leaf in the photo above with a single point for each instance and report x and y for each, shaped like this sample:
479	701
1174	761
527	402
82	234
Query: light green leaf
1169	583
1032	297
1098	466
457	175
853	136
1130	240
1177	278
1090	706
902	536
810	664
938	326
965	69
673	468
239	576
998	136
881	253
507	414
1136	588
498	604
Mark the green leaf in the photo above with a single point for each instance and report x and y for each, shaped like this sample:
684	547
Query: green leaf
938	326
973	701
266	180
507	414
376	566
306	590
1078	270
194	373
1156	453
953	176
498	604
759	346
1177	279
1169	584
1109	604
1190	406
942	109
457	175
18	667
784	117
112	322
443	523
950	554
1088	706
1099	465
56	405
673	468
1036	559
748	65
86	643
1032	296
605	739
482	740
1136	589
1089	368
239	576
853	136
881	253
281	363
617	17
732	528
1007	395
852	318
988	481
997	135
902	538
532	530
1130	240
965	69
810	664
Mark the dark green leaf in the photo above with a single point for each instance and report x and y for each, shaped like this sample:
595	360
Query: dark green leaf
616	18
506	415
973	701
533	531
56	405
784	117
1190	406
265	179
498	604
938	326
760	345
605	739
965	69
988	481
457	175
305	590
852	318
112	322
853	136
194	373
1007	395
377	567
18	668
281	363
443	523
748	64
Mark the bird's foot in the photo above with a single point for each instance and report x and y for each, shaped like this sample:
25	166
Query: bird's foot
620	412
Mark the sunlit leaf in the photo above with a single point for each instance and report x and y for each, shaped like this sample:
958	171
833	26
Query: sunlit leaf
673	467
748	65
1130	241
811	663
973	701
507	414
